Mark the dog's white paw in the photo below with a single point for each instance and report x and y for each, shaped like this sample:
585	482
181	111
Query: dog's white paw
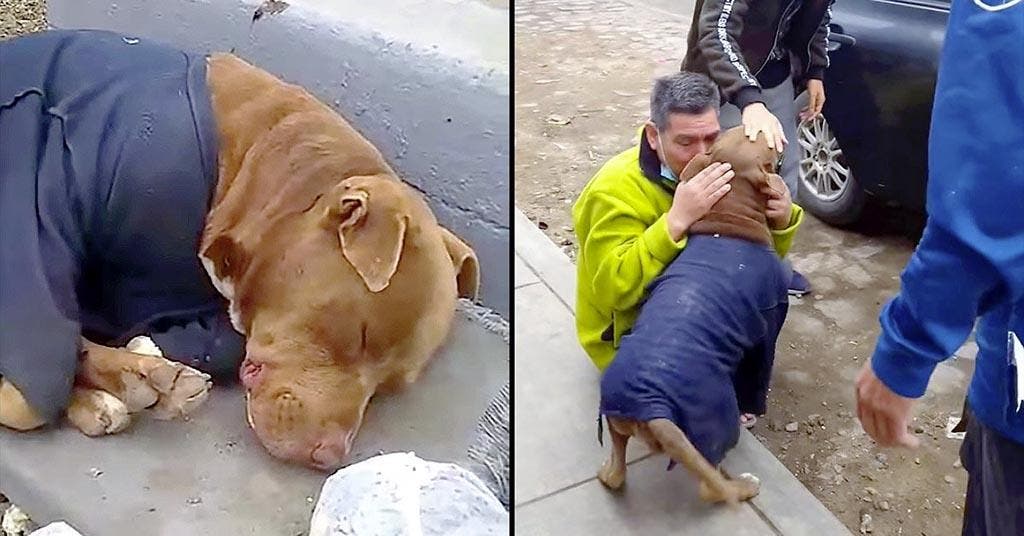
96	412
750	478
182	389
749	486
145	346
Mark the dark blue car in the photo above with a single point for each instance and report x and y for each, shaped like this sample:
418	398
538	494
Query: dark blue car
872	141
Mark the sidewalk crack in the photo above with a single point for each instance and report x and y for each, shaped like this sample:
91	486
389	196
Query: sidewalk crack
575	484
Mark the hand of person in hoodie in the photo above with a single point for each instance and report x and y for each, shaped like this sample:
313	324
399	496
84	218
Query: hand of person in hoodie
884	414
756	119
815	100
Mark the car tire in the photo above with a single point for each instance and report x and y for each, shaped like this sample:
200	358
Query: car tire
826	186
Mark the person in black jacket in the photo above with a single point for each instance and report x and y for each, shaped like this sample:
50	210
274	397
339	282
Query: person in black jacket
757	52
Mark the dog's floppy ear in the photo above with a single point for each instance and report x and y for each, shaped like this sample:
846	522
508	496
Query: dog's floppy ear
467	267
371	230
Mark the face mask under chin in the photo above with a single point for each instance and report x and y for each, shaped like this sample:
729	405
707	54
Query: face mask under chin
668	176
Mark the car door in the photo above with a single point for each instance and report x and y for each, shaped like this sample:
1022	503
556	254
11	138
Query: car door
879	89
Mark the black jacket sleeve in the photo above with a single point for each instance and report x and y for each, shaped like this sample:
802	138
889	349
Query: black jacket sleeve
719	27
817	47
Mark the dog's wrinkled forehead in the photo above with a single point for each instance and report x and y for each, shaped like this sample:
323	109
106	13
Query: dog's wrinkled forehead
734	147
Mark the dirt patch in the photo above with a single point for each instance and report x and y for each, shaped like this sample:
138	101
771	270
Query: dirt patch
19	17
583	72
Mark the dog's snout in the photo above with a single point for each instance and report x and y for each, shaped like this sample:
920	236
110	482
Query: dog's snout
331	451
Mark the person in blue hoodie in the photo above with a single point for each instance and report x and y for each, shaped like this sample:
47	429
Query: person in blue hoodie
968	266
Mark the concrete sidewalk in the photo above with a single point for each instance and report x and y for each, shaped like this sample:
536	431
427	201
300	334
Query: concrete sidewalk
556	450
209	475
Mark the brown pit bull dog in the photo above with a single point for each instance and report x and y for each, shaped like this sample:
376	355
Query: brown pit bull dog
702	348
335	271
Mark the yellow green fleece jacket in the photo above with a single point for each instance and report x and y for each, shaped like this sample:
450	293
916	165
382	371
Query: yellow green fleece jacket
620	224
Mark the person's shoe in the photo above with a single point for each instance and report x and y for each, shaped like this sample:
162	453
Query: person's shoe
799	285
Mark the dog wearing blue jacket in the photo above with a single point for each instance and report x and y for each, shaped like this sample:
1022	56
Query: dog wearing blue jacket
702	348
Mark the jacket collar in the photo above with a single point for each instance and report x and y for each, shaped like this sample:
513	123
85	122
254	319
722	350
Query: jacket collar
650	165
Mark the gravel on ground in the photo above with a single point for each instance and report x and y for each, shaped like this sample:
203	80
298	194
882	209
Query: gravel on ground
19	17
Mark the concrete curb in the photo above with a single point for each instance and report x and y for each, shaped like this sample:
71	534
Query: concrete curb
541	255
426	81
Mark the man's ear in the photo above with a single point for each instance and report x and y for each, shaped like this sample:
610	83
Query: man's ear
695	166
651	132
371	233
467	267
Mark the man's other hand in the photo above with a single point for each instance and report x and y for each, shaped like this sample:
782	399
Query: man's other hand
695	197
883	414
780	202
756	119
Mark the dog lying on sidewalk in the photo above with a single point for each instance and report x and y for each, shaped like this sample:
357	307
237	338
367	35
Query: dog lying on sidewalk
151	192
702	349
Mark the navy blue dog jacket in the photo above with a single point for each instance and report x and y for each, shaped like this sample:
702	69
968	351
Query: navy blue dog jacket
108	164
701	350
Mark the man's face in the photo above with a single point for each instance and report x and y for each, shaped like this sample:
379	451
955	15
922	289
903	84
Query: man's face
685	136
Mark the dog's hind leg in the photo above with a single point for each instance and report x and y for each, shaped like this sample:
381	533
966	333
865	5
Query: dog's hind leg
714	486
14	409
613	471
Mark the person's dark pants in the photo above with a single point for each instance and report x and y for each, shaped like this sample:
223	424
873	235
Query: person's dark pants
994	505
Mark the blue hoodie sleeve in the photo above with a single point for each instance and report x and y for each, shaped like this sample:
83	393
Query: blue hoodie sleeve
943	287
972	252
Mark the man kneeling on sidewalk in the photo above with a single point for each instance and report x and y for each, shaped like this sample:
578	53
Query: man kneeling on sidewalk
633	217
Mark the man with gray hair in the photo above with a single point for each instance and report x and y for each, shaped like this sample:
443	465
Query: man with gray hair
632	218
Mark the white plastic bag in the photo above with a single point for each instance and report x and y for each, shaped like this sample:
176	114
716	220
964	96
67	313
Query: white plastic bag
400	494
59	528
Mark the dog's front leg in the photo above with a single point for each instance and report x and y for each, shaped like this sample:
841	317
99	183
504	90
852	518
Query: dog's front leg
92	411
714	486
143	381
613	472
97	412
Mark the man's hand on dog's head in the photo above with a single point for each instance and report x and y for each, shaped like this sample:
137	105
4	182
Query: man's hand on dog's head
780	202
